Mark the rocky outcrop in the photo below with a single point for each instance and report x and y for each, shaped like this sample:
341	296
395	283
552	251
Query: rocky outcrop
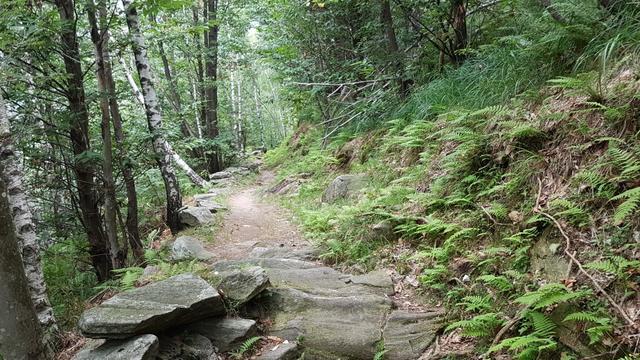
195	216
143	347
338	315
188	248
344	187
152	308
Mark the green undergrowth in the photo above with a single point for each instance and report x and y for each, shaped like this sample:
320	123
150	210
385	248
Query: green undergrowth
469	193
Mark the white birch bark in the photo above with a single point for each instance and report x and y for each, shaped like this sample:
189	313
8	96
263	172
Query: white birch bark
25	228
154	118
193	176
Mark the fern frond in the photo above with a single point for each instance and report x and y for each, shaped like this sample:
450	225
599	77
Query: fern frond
628	207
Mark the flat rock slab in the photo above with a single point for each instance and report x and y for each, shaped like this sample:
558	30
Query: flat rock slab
240	285
284	253
225	333
220	175
286	351
143	347
152	308
195	216
188	248
407	335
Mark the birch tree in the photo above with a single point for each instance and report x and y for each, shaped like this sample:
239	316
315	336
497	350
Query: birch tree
24	230
154	118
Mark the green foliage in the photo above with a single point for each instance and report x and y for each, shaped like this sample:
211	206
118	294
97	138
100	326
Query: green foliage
246	347
476	303
550	294
538	341
629	206
500	283
483	325
600	325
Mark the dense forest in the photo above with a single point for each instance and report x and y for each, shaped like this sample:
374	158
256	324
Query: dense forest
471	167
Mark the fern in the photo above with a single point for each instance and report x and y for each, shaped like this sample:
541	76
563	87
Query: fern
499	282
476	303
246	347
628	207
550	294
531	345
602	325
479	326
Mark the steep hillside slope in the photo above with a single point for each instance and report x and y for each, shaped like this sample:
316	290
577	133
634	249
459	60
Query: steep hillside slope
521	217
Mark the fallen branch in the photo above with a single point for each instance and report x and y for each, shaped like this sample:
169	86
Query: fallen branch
567	252
342	84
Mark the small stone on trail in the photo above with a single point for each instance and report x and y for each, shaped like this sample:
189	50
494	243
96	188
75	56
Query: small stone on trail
195	216
187	248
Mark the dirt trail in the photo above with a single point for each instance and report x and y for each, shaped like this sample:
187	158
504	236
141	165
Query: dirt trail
250	221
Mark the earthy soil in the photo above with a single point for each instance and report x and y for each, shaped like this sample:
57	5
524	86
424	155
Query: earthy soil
252	221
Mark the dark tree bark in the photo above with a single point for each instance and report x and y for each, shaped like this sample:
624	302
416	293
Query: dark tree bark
154	119
211	86
133	231
99	38
459	25
386	18
21	335
79	134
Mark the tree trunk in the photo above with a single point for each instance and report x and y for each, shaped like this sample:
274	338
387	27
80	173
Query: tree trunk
459	24
154	119
256	99
25	231
176	101
21	335
202	103
386	18
99	38
132	227
79	134
193	176
211	86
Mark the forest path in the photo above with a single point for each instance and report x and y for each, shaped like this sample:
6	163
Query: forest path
339	315
251	221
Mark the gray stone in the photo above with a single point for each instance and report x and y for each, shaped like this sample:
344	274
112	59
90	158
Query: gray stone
220	175
408	334
186	346
383	231
344	187
225	333
377	279
152	308
547	263
284	253
339	326
210	205
238	286
143	347
285	351
195	216
187	248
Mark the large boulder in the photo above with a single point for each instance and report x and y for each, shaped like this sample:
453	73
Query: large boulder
143	347
195	216
344	187
212	206
152	308
187	248
225	333
240	285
